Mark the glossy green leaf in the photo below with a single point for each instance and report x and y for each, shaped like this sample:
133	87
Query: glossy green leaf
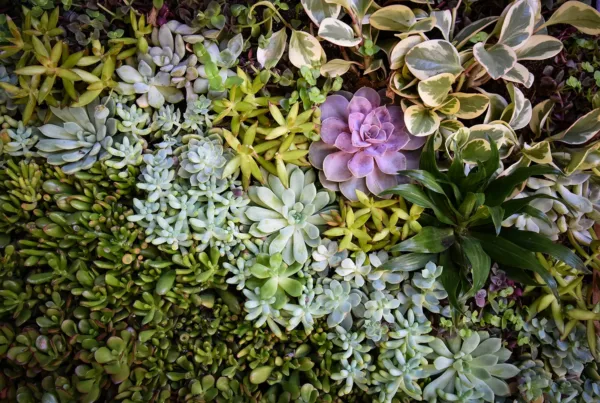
428	240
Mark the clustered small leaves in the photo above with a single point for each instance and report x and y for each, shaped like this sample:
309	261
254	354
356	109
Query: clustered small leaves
198	204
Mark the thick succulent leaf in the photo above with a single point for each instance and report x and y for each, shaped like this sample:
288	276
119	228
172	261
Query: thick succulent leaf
421	121
539	47
498	60
540	153
318	10
393	18
471	105
398	53
338	33
435	90
336	67
539	116
433	57
462	38
580	15
428	240
520	75
443	21
518	24
581	131
305	50
269	56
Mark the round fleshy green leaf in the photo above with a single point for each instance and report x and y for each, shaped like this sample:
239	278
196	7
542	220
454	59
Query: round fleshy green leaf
318	10
539	47
393	18
471	105
399	51
421	121
269	56
336	67
434	90
497	60
431	58
518	25
338	32
305	50
580	15
260	374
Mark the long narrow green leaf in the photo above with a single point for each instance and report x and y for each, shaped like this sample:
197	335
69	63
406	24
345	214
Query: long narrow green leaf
492	164
507	253
536	213
429	240
480	264
408	262
539	243
414	194
516	205
425	178
450	278
497	214
501	188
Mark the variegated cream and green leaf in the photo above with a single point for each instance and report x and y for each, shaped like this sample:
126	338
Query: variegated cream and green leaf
338	33
305	50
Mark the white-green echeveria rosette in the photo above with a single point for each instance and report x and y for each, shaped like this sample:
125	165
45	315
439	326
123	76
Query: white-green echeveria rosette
478	361
290	218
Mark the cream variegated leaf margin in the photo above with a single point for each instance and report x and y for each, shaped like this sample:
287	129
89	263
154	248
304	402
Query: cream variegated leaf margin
269	56
422	25
443	21
318	10
450	107
581	131
518	113
497	60
398	54
583	158
433	57
580	15
305	50
471	105
336	67
540	113
476	150
518	25
520	75
435	90
539	153
421	121
338	32
393	18
539	47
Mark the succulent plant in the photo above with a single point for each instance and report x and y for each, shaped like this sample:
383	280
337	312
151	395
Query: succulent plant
81	136
478	361
155	89
21	142
339	299
276	277
399	373
327	256
361	144
289	216
125	153
203	158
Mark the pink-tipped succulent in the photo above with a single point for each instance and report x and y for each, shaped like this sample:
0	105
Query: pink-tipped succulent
363	144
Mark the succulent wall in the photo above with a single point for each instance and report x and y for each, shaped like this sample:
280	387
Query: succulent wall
276	201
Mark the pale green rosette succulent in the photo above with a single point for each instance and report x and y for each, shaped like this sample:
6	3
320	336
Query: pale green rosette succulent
202	159
478	361
80	137
290	217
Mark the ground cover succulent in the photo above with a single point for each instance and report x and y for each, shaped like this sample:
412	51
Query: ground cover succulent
164	236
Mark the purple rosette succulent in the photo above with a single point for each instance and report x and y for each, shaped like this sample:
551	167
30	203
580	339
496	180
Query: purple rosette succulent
363	144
